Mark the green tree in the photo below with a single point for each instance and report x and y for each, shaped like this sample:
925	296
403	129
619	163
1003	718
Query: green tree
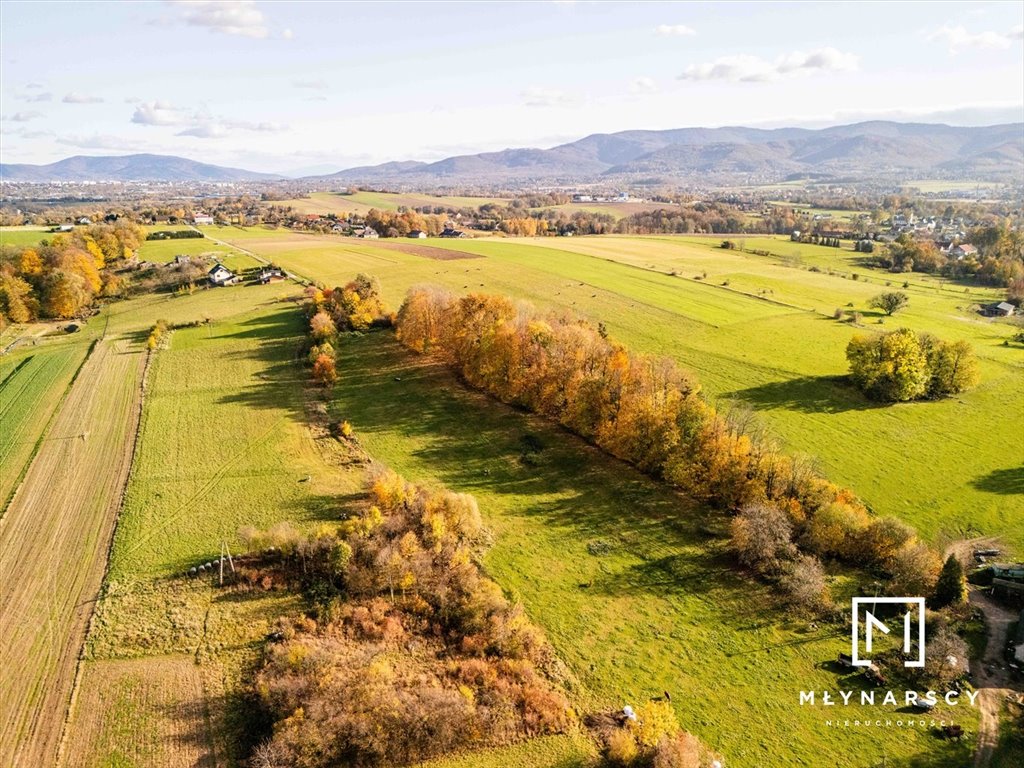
890	367
951	588
889	302
952	365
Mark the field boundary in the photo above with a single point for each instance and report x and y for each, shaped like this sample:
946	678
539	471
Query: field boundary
46	429
76	684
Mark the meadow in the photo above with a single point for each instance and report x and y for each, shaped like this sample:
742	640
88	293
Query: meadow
362	201
760	331
27	235
33	381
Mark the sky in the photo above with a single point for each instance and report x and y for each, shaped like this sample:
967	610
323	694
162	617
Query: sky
309	87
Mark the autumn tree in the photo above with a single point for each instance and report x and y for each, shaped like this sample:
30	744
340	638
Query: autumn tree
762	538
324	371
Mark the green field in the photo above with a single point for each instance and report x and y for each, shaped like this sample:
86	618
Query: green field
363	201
633	585
32	382
27	235
766	338
163	251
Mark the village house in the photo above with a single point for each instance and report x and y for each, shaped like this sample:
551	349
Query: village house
182	259
368	233
962	251
418	234
202	219
221	275
270	275
449	232
85	221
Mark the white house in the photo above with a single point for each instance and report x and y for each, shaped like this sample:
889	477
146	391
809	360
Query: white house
202	218
418	234
221	275
962	251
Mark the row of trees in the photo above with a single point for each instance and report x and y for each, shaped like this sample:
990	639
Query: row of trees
415	652
62	276
999	262
903	365
640	408
355	307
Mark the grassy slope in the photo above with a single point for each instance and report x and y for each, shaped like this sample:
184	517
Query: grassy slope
659	608
952	468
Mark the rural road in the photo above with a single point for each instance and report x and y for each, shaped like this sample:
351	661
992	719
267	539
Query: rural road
991	676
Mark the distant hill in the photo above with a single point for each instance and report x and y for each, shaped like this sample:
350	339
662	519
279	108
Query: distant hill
878	149
128	168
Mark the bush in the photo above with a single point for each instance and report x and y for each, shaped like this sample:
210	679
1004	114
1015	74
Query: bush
762	538
621	748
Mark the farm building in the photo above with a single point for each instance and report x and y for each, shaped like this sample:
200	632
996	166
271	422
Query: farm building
270	275
1002	309
418	234
85	221
221	275
1008	580
449	232
181	259
202	218
368	233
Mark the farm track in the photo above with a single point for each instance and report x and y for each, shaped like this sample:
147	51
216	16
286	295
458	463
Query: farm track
54	539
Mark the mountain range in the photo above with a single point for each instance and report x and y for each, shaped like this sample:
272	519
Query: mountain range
878	149
128	168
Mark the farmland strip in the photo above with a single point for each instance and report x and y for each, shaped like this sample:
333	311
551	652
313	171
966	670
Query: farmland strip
53	542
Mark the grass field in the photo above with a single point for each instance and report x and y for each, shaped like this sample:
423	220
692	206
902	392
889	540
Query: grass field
148	712
223	444
767	338
26	235
33	381
633	585
53	545
363	201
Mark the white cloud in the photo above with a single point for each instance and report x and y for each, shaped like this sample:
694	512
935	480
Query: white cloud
538	96
23	117
81	98
958	38
38	97
206	131
132	99
96	141
752	69
643	85
313	85
158	113
36	86
287	35
229	17
675	30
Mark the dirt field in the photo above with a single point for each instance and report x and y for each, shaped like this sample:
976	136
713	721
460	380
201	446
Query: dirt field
54	540
427	251
141	712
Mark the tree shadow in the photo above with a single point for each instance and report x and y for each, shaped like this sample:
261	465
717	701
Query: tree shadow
808	394
1007	482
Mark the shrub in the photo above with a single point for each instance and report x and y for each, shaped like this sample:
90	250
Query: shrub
762	538
621	748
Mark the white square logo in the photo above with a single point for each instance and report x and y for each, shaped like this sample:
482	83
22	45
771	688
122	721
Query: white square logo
862	609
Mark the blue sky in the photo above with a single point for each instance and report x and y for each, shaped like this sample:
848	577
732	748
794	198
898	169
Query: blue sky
293	86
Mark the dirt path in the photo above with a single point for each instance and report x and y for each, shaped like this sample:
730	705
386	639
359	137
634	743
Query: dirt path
54	541
991	675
